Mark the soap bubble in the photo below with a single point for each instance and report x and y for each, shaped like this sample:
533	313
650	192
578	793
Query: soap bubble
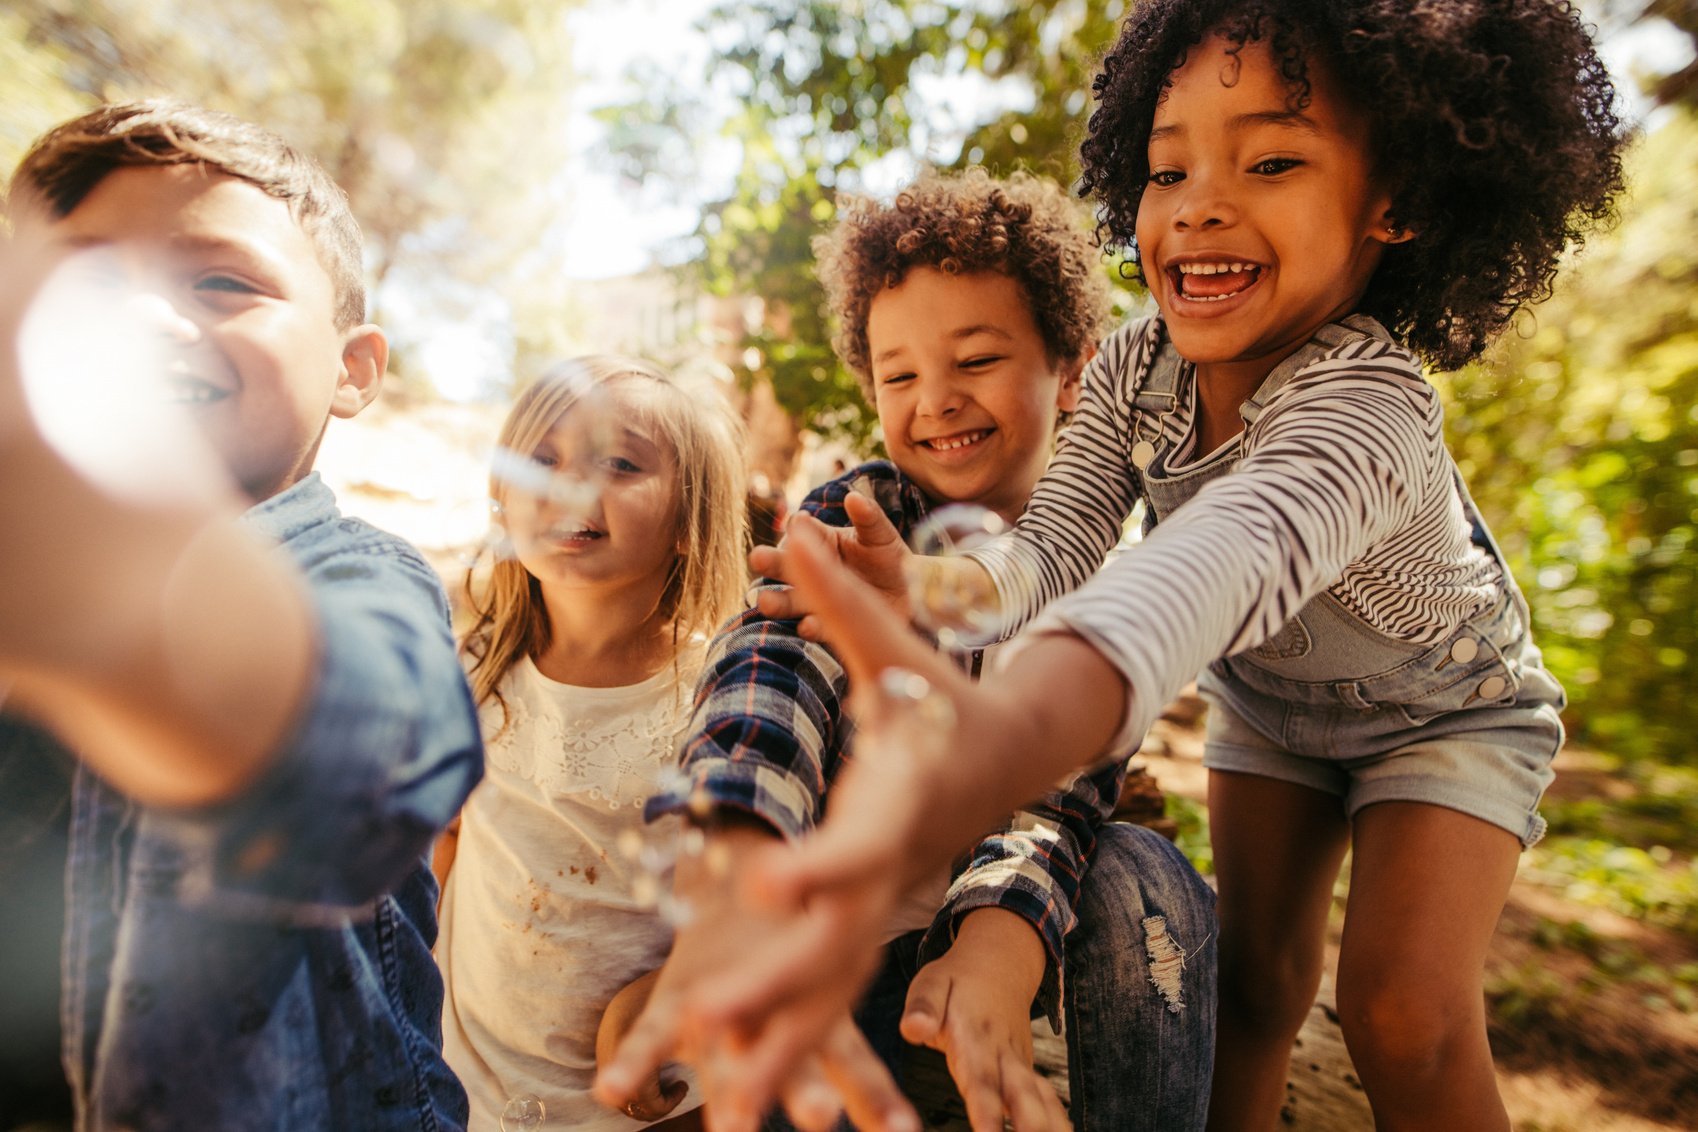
960	606
523	1112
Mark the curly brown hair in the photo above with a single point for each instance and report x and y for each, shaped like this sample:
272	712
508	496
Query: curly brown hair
1494	123
1023	226
66	163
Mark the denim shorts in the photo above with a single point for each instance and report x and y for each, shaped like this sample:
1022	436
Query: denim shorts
1469	723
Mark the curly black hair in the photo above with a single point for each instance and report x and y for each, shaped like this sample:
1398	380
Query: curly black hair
1494	123
1021	226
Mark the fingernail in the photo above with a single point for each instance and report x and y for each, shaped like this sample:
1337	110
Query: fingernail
903	1121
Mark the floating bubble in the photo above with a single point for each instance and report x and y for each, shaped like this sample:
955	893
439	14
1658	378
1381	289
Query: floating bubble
958	603
523	1111
910	716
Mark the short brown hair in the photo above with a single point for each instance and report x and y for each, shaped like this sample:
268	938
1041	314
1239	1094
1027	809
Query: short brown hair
66	163
1023	227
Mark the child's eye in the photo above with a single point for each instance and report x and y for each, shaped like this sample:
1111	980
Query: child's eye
896	378
225	283
545	460
1165	177
981	362
620	465
1274	166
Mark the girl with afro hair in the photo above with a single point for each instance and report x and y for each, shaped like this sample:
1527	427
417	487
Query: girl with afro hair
1322	196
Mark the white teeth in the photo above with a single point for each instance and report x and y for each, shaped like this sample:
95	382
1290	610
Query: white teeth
950	443
1213	268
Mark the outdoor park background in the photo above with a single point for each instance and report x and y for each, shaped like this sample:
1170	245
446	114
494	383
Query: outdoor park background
539	179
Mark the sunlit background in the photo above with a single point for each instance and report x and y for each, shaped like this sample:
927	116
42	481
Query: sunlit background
542	179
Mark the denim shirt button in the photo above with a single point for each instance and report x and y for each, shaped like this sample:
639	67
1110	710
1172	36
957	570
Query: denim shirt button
1492	687
1466	650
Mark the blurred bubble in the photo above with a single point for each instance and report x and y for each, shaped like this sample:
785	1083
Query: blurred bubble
655	850
524	1111
576	491
104	373
959	606
912	713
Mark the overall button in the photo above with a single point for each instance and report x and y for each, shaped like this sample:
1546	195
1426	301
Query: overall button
1142	453
1492	687
1465	650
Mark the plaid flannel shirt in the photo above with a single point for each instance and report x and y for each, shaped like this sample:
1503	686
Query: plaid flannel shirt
769	736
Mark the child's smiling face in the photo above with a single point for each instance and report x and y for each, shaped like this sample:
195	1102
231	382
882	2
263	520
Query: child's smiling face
244	307
964	388
1261	222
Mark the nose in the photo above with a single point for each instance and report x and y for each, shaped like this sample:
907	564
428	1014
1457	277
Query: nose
1203	203
156	314
938	397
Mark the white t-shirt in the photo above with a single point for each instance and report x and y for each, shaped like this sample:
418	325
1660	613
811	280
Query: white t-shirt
541	924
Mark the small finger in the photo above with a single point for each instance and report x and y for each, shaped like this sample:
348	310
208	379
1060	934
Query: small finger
755	1071
980	1084
812	1104
870	1094
1030	1102
873	527
778	602
767	562
651	1043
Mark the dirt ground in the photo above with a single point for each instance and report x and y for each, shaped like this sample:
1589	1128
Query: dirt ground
1584	1036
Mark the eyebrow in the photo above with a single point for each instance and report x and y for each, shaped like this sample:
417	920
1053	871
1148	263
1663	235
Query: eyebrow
189	242
1284	119
958	335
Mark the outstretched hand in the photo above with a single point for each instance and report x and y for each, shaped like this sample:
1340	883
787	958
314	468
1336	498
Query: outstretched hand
870	546
805	1054
973	1004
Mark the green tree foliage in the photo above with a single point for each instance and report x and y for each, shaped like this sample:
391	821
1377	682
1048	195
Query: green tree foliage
434	115
822	91
1580	437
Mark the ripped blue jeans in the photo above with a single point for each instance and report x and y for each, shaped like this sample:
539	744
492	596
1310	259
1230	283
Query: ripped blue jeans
1139	1000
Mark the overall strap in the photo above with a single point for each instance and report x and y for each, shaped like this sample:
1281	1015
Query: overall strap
1325	341
1158	392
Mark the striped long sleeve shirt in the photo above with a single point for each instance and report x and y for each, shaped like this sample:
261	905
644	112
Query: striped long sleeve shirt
1342	483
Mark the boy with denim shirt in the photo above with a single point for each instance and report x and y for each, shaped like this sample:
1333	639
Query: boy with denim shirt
266	742
967	308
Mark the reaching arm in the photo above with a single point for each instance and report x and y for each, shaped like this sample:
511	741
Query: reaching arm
168	646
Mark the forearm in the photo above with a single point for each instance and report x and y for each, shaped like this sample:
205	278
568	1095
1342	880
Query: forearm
1006	943
1053	708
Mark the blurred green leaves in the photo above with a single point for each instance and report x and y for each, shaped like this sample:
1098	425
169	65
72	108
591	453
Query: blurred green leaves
1579	435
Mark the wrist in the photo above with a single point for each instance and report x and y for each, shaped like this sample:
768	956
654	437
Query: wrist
1007	945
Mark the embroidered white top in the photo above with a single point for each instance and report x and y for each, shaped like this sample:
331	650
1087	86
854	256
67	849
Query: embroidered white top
541	924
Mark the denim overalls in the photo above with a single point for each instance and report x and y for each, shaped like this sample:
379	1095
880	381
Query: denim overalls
1330	702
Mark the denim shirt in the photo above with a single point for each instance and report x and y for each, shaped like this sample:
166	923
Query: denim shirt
266	963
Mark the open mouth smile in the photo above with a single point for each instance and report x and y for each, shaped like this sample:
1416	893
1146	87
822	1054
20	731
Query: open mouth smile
573	536
956	441
1214	281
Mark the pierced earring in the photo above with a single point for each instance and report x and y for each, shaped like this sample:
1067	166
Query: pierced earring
496	509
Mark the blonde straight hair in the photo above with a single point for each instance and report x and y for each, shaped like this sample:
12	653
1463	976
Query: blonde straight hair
708	576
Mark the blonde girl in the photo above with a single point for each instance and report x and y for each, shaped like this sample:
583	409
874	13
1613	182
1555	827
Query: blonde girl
620	509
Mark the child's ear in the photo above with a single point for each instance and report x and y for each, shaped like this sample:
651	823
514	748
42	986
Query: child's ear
365	359
1391	231
1072	380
